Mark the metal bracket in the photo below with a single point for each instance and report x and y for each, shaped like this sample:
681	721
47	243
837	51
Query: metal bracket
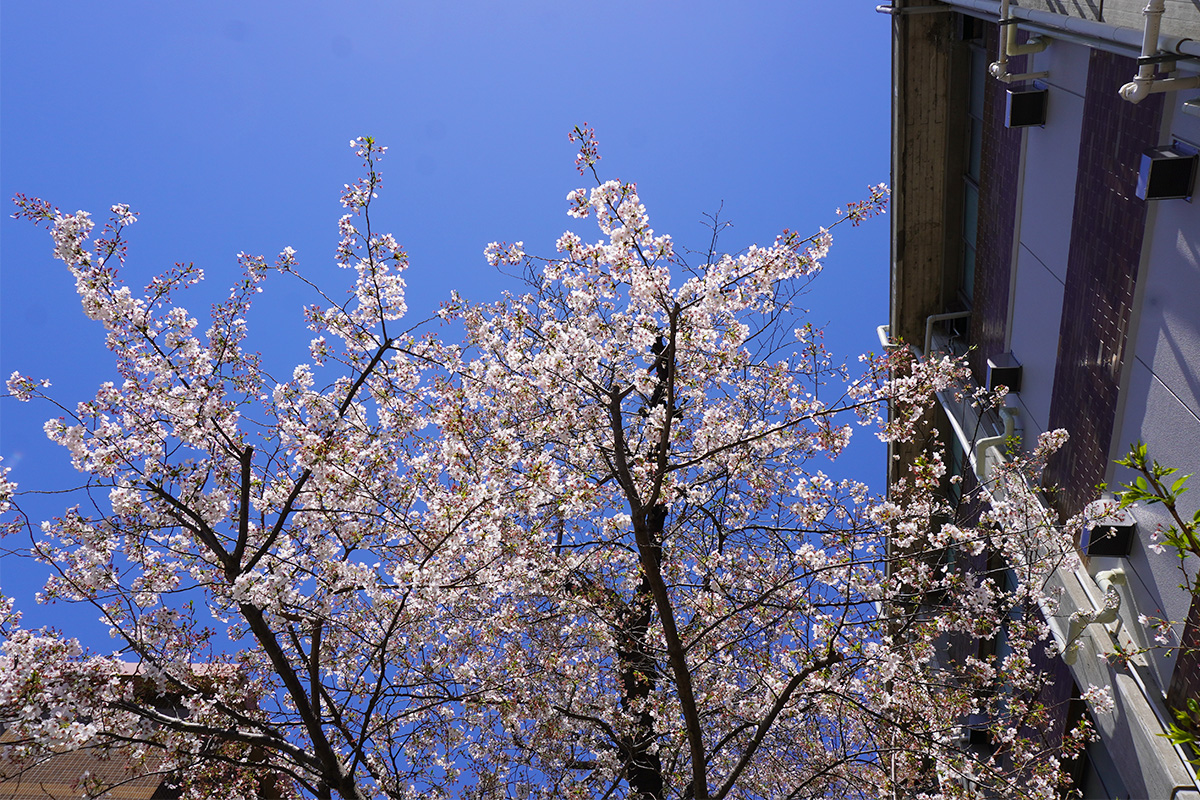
1163	57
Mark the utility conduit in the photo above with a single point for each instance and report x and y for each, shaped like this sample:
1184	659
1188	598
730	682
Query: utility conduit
929	322
1105	615
1098	35
909	10
1010	48
1144	83
983	464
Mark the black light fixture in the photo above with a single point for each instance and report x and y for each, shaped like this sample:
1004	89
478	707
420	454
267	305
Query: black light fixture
1025	107
1003	370
1110	535
1167	173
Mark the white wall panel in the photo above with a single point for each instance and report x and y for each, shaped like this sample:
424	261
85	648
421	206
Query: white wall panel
1052	159
1155	415
1037	311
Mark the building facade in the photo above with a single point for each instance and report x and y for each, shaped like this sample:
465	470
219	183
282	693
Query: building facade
1040	227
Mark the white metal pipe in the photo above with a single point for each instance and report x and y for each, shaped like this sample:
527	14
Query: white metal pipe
1081	619
1101	35
1019	77
1009	415
929	322
1109	581
1008	47
908	10
1153	12
1144	84
1034	45
1000	67
1140	88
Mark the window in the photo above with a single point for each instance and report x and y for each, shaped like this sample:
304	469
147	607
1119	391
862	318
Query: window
977	81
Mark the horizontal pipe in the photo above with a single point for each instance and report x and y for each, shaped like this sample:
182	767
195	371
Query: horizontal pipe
1140	88
1009	415
1000	75
1144	83
931	319
1011	48
908	10
1008	48
1125	41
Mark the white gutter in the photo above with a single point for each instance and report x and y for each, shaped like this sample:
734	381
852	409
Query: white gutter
1088	622
1139	705
1091	648
1144	83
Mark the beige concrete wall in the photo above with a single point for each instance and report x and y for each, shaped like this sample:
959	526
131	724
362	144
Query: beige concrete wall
1086	9
1182	17
923	128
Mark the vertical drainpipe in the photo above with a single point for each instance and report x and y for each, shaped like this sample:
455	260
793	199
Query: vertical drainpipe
1144	83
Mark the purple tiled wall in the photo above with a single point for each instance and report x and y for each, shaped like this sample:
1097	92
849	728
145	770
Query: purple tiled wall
999	172
1056	691
1106	242
1185	682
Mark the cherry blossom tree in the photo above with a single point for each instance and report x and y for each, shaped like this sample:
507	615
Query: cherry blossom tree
573	543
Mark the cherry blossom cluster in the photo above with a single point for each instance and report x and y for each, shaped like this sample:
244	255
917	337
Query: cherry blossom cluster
590	549
498	253
23	387
875	204
7	489
589	148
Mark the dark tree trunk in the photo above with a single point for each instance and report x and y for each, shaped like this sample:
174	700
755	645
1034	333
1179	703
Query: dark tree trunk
639	669
639	677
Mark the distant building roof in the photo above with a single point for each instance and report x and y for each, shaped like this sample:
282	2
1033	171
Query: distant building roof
58	776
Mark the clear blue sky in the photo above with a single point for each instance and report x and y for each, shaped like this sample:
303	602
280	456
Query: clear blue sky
227	126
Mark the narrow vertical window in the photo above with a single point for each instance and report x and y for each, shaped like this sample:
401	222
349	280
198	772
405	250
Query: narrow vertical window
977	78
